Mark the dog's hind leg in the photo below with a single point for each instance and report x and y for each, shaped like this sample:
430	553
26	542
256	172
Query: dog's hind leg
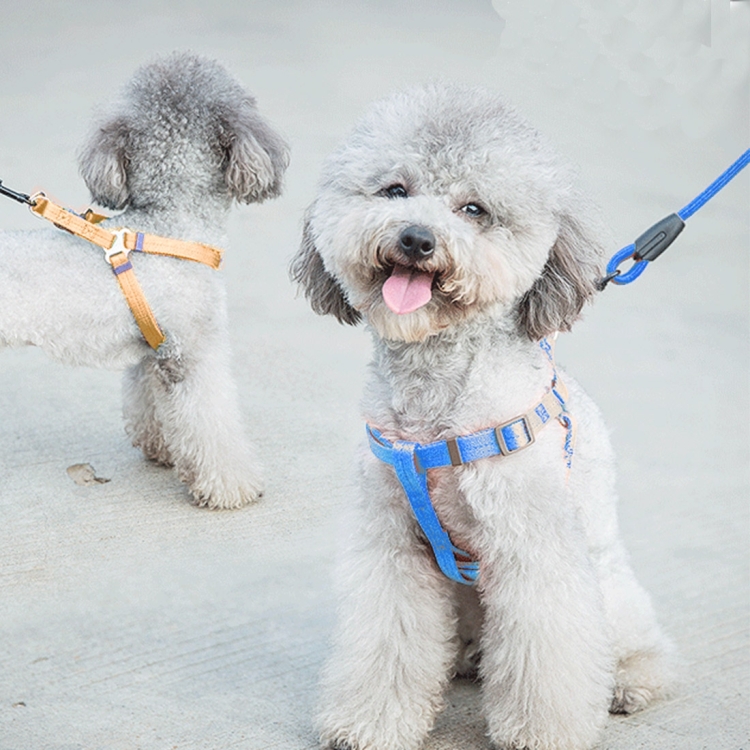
196	406
645	656
395	645
141	386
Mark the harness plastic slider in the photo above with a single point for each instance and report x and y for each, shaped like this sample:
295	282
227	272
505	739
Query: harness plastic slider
656	239
118	244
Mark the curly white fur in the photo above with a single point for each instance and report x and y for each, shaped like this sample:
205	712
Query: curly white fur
183	142
559	628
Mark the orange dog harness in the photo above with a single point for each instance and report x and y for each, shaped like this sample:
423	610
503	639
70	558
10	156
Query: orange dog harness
117	245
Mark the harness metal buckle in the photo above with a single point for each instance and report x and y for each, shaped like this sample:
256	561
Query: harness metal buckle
118	244
505	449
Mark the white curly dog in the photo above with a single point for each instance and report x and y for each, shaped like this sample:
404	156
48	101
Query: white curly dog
448	224
184	140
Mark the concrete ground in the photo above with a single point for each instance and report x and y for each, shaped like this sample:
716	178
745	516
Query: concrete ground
131	619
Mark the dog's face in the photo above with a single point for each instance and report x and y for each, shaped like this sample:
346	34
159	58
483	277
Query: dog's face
443	204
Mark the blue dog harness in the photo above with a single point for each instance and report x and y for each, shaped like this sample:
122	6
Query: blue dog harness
412	460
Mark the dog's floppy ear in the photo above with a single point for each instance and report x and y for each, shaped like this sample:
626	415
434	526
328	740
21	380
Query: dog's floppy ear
256	156
325	295
566	283
103	160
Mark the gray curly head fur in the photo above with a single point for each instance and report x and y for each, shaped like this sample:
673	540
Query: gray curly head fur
183	131
532	251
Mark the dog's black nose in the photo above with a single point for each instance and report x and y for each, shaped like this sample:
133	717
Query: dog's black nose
417	242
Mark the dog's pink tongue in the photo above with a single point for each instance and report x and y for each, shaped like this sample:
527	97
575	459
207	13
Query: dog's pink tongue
407	289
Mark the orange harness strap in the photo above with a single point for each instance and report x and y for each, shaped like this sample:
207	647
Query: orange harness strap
117	245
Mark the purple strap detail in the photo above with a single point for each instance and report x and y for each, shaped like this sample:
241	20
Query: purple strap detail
121	269
542	413
138	242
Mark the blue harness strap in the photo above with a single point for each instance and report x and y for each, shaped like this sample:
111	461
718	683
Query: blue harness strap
415	486
412	460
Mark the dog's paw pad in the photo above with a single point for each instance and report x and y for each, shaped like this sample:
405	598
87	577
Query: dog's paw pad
227	499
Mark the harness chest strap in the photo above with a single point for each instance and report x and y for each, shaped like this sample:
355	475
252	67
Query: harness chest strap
412	460
117	245
136	299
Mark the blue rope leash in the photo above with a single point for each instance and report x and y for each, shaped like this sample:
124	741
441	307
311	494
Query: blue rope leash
655	240
686	212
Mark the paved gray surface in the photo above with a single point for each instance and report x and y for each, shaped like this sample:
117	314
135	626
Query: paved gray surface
130	619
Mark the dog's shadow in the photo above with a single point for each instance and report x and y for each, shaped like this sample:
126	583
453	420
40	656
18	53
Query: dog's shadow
461	724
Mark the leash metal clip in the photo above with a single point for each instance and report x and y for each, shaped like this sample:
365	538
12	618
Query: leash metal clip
15	195
118	244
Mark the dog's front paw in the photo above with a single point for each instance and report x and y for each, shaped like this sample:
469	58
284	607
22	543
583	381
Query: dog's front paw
338	742
379	730
224	490
345	743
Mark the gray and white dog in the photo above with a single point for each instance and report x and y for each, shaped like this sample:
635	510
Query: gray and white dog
184	140
449	226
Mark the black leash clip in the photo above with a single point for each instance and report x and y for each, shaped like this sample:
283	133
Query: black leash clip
20	197
648	247
655	240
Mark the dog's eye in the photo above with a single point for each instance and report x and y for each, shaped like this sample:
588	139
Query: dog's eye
396	191
473	209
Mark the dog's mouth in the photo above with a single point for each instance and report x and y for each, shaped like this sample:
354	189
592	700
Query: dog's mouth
407	288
